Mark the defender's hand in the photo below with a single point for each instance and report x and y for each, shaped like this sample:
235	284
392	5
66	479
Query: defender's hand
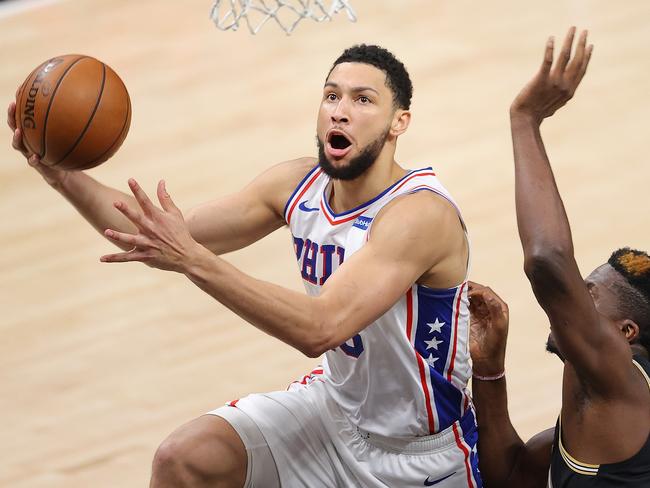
488	330
553	86
52	176
163	240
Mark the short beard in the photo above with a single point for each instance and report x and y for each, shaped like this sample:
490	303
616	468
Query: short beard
357	166
552	348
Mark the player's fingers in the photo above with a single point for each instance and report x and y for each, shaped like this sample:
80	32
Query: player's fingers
474	288
135	240
547	62
579	55
565	53
34	161
143	200
125	257
11	116
131	214
165	199
18	144
495	305
585	63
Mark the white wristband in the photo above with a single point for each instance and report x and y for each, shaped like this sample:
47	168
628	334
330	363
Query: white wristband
490	378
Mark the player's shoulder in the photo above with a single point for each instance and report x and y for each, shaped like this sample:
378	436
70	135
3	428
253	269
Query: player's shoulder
278	182
293	170
413	221
419	209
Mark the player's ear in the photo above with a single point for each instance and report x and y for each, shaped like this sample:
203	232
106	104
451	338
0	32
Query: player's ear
630	329
401	121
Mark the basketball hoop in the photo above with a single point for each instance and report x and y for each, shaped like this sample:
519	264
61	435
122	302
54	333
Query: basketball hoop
230	14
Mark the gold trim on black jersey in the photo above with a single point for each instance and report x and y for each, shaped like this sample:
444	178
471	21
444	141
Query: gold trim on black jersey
645	375
575	465
578	466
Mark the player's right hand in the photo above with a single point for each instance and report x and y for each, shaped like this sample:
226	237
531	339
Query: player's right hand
555	83
52	176
488	330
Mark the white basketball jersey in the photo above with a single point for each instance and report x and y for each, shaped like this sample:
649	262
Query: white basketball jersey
406	374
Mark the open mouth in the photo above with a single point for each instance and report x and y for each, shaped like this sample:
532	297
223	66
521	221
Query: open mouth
339	141
338	144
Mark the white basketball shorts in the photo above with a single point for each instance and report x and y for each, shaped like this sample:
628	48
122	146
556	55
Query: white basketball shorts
299	438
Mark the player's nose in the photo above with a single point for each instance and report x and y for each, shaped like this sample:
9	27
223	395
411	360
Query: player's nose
341	113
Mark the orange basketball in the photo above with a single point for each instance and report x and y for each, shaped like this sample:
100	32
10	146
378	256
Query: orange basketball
74	112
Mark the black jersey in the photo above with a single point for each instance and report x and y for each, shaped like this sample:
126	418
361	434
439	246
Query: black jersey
568	472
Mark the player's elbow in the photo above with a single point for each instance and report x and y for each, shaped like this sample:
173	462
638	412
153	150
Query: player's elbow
313	349
546	265
321	339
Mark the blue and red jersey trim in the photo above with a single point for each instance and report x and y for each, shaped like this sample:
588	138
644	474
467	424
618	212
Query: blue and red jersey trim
335	219
300	190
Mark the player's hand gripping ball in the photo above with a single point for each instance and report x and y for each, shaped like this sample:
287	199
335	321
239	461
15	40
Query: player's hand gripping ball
74	112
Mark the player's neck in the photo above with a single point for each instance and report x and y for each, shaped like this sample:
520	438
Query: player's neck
346	195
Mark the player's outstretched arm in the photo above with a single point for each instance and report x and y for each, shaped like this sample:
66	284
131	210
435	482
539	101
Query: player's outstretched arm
93	200
504	459
414	234
222	225
544	228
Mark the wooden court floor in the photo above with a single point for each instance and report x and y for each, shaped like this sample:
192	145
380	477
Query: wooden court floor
98	363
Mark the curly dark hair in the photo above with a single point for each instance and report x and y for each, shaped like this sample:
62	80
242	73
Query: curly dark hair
634	301
397	78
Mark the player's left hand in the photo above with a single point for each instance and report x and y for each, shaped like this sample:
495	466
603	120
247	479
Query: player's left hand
554	84
163	240
488	330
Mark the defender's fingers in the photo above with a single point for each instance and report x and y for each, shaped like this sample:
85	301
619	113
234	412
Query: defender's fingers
565	53
495	305
476	292
143	200
585	63
474	285
578	57
545	68
131	214
165	199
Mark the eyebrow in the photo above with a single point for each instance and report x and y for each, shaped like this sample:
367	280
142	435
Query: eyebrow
355	89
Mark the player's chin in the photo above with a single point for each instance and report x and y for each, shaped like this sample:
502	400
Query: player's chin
338	162
551	347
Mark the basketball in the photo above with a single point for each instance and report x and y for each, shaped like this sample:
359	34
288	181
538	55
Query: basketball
74	112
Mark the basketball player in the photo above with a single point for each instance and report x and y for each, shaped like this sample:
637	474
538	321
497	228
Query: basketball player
600	327
384	257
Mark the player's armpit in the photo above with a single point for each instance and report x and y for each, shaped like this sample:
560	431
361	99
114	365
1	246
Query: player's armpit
414	236
533	462
234	221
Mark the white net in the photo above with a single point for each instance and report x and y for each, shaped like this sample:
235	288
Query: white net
231	14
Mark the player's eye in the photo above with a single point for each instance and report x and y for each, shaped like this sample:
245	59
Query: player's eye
363	99
331	97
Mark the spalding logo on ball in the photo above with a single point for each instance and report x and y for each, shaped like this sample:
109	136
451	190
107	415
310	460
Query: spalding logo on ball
74	112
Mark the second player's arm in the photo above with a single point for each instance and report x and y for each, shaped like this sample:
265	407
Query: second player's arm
505	460
545	234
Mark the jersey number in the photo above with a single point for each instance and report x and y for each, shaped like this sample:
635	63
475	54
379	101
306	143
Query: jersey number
355	349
